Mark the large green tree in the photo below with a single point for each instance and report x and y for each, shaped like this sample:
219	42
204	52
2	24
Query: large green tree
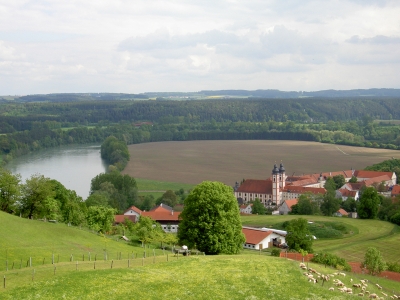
121	190
257	208
211	220
37	199
368	204
100	218
330	204
373	261
10	190
307	205
298	235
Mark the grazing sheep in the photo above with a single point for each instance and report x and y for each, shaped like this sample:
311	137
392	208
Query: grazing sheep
361	294
331	289
384	294
378	286
373	296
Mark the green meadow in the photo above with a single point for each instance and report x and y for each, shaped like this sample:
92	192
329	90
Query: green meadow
125	274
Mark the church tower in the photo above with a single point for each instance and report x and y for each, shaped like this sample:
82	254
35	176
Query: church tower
276	184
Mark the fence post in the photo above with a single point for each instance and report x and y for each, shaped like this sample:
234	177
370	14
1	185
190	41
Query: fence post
4	284
30	261
90	258
128	262
112	261
52	258
94	265
55	270
76	266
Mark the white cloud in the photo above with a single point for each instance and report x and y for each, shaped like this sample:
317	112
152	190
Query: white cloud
136	46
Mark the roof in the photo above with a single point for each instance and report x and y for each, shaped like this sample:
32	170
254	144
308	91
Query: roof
244	206
304	189
121	218
371	174
162	206
347	193
345	173
396	190
256	186
291	202
255	236
160	213
353	186
343	212
377	179
134	208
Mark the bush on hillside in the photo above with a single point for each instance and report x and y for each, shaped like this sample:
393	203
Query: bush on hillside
276	252
331	260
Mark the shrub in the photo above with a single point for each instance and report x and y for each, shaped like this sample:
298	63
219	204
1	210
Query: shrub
331	260
394	267
276	252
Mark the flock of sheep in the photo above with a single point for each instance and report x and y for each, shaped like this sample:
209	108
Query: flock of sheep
359	288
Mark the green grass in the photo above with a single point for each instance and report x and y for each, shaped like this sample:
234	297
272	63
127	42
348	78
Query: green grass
22	239
384	236
195	277
154	185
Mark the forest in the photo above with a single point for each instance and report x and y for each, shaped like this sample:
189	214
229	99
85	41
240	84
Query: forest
364	122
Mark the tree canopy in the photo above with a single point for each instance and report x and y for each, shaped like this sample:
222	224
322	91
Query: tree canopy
299	236
211	220
258	208
368	204
373	261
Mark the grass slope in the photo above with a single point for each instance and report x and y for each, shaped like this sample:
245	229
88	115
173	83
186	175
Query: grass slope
21	239
382	235
210	277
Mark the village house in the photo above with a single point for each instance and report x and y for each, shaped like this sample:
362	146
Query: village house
246	209
258	238
286	206
163	214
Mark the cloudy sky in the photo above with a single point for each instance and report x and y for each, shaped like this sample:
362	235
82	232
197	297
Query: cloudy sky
134	46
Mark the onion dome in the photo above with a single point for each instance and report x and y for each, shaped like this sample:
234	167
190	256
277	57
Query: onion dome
275	170
281	168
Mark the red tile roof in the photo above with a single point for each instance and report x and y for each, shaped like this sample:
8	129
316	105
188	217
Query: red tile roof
396	190
377	179
347	193
371	174
303	189
343	212
134	208
256	186
162	214
291	202
121	218
254	236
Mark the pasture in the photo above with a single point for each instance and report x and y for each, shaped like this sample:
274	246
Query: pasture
192	162
382	235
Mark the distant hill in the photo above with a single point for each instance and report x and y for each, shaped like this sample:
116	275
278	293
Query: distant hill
205	94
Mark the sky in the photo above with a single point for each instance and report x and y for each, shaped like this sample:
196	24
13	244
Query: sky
135	46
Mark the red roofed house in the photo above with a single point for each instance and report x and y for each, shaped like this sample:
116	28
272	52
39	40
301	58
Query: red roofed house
341	213
286	206
396	190
345	193
164	215
246	209
258	239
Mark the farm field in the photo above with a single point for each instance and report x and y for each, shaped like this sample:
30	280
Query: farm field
382	235
192	162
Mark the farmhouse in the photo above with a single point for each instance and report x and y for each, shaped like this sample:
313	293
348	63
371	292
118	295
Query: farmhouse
258	239
162	214
279	187
246	209
286	206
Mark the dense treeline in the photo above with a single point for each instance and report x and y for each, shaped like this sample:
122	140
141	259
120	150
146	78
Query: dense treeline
115	153
24	116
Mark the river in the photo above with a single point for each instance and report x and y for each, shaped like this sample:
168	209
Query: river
73	165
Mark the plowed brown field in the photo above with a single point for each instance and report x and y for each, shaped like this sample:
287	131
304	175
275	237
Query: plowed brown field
229	161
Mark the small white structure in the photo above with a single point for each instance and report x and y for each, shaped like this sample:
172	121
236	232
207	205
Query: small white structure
246	209
258	238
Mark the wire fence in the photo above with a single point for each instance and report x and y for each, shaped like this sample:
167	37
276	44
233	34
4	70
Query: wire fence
21	276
